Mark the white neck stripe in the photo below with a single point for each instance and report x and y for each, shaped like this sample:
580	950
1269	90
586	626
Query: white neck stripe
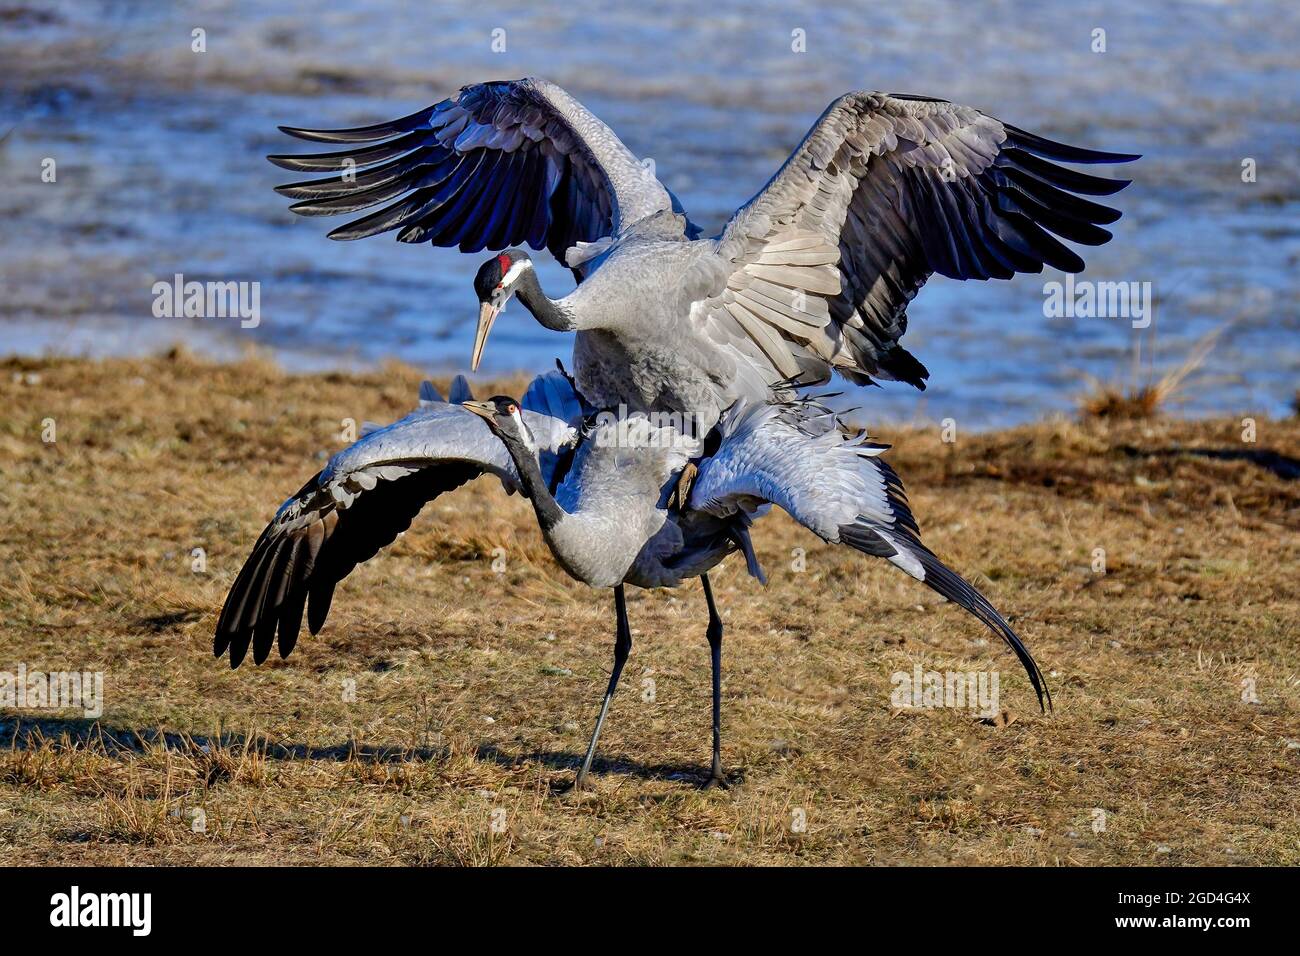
516	268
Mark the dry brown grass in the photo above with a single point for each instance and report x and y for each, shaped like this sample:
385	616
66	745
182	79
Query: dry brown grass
475	691
1134	402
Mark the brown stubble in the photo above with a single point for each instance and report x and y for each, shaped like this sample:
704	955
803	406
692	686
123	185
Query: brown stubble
475	691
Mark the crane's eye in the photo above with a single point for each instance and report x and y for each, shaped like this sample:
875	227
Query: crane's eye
500	286
512	410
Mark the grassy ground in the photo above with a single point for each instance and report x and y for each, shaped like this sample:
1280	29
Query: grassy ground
475	690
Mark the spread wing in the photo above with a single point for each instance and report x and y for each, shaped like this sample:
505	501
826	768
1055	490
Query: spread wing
884	191
797	456
364	498
498	165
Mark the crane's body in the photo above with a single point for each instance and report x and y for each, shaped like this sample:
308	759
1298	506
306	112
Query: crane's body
812	276
652	355
616	526
606	493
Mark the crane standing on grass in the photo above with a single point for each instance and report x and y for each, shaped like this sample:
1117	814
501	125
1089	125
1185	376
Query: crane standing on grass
608	500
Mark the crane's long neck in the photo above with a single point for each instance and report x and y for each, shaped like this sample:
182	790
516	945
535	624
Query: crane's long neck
545	310
597	542
548	510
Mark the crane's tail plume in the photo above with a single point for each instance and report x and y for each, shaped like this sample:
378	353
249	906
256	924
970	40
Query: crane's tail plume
897	538
924	565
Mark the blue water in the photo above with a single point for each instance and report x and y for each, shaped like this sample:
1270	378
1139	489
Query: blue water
160	170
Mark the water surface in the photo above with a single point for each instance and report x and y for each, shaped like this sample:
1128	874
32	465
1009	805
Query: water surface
160	169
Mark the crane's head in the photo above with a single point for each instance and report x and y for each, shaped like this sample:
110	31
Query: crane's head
504	417
495	284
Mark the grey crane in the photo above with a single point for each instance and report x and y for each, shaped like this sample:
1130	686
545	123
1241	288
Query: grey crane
608	498
811	276
604	521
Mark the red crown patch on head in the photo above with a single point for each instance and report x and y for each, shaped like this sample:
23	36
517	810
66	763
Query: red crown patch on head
505	263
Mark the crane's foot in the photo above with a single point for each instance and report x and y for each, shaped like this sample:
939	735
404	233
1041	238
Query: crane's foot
682	493
575	791
717	779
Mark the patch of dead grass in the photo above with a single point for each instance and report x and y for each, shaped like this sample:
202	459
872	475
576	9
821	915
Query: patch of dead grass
475	691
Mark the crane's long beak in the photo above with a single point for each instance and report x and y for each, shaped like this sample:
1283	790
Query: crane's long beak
487	314
484	410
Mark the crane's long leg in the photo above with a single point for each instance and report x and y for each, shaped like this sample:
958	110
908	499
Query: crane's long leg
622	645
714	633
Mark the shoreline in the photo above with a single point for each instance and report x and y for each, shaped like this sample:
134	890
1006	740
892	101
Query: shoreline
906	408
